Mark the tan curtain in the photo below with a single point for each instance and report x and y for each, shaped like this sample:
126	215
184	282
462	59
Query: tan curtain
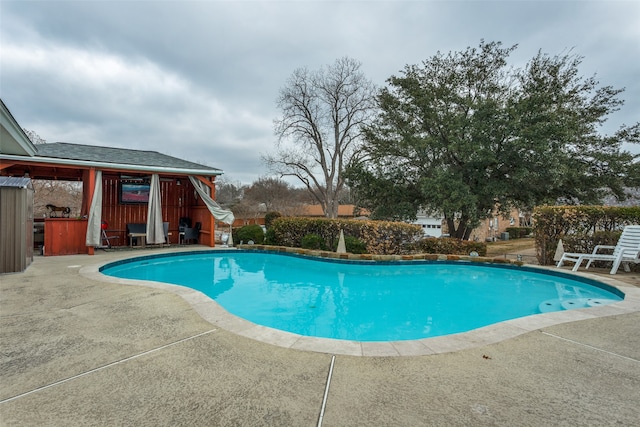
155	230
94	222
215	209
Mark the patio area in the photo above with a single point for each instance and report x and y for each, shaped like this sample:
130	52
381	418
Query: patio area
76	351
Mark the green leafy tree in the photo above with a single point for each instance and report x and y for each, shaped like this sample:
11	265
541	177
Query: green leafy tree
464	133
269	217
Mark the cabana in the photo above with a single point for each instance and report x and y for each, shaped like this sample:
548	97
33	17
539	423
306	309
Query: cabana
120	187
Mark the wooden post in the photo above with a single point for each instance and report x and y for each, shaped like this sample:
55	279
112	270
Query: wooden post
212	220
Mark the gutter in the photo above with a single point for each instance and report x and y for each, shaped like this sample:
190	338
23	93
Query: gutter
106	165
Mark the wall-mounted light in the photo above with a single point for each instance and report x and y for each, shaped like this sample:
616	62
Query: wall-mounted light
178	182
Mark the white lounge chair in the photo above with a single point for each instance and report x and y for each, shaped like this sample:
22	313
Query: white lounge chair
625	251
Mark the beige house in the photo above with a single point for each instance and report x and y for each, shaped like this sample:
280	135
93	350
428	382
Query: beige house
495	227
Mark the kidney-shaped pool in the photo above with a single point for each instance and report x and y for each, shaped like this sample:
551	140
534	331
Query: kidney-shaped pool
366	301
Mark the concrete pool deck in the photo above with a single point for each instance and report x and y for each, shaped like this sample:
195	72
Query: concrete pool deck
80	351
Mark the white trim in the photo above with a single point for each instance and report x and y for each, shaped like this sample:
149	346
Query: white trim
10	124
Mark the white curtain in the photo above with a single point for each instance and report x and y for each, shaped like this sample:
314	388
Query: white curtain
155	230
215	209
94	224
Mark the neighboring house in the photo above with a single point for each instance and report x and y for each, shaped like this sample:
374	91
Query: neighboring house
431	225
494	228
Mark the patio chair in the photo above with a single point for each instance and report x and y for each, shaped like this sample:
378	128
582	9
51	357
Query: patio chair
183	224
625	251
106	240
192	233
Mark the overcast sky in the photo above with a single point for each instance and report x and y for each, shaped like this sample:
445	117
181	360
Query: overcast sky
199	80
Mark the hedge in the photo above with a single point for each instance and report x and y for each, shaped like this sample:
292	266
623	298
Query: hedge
578	227
379	237
353	245
518	232
449	246
246	233
269	217
372	237
313	241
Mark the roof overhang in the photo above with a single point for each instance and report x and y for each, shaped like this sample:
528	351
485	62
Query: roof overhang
84	164
13	140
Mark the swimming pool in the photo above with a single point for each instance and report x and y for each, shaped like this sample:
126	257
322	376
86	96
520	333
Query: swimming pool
366	301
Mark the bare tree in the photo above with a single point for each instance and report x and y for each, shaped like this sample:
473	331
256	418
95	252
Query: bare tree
271	192
34	137
57	193
53	192
274	194
320	131
228	193
247	210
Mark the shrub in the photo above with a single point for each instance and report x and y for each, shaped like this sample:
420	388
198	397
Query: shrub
379	237
313	241
553	223
249	232
518	232
270	217
353	245
449	246
389	238
585	243
270	237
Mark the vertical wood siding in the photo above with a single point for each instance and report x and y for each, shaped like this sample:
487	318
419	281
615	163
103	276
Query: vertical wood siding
176	203
65	236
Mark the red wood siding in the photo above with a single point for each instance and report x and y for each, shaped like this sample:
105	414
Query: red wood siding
65	236
177	202
202	215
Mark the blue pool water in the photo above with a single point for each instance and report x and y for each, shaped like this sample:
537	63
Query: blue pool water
365	301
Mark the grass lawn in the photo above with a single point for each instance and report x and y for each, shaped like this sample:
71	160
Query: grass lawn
501	247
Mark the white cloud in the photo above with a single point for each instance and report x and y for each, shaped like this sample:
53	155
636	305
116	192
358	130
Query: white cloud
199	80
122	101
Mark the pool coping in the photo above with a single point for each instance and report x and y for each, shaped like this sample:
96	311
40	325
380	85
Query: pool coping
215	314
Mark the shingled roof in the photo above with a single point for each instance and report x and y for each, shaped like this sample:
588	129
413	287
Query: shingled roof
120	156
